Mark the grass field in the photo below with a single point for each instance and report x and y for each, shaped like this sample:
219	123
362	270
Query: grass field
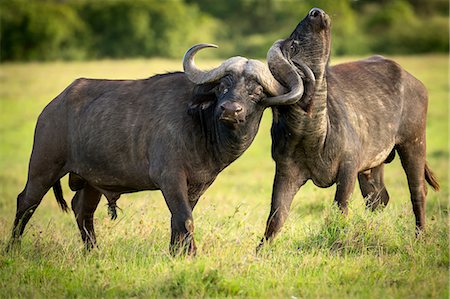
318	253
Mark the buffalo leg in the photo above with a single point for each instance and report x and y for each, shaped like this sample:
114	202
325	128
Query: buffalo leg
84	204
285	187
45	169
412	156
372	187
345	184
29	199
193	202
193	199
182	222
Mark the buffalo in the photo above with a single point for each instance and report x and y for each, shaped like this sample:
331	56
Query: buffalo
173	132
350	121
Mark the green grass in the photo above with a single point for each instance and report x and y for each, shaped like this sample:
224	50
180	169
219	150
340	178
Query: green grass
318	253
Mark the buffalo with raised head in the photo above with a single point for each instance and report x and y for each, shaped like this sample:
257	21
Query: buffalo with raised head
174	132
351	120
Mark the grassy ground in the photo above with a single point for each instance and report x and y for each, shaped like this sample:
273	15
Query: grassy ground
318	254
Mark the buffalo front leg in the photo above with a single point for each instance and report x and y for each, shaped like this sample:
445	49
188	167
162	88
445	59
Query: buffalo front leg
371	183
345	183
84	204
285	186
182	222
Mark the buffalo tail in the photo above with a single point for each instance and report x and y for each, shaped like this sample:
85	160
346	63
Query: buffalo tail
431	178
59	196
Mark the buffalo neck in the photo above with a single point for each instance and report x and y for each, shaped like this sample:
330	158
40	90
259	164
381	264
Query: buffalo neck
311	128
223	143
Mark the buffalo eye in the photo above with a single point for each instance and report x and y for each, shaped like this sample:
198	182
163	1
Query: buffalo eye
223	88
258	90
257	94
294	45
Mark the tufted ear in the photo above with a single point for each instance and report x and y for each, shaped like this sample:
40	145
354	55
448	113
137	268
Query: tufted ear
203	96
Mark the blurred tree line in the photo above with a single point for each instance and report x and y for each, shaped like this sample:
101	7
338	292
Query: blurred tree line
90	29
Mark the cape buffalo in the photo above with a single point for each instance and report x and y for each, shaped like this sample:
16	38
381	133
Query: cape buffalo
173	132
351	120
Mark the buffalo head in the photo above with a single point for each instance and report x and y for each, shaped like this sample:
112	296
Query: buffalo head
310	42
239	87
308	48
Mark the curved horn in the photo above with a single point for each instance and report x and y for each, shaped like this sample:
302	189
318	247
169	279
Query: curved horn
199	76
265	77
294	81
310	85
284	71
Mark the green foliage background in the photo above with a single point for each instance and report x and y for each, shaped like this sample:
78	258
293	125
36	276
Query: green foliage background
318	254
89	29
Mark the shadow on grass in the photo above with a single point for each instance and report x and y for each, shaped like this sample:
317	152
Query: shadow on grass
362	232
198	282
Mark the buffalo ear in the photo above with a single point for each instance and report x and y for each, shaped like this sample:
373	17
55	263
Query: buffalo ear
203	97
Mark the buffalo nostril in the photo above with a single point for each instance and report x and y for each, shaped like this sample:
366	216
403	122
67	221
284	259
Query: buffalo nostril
231	108
315	12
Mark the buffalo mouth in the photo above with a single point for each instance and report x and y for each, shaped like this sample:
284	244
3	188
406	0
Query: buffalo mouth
231	121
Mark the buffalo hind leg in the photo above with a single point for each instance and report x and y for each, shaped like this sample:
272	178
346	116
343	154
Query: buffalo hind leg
84	204
285	186
29	199
412	156
46	167
371	183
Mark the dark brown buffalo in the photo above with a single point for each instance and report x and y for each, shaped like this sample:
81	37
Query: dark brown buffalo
174	132
351	120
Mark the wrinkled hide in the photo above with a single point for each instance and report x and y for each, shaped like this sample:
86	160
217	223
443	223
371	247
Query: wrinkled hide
162	133
360	114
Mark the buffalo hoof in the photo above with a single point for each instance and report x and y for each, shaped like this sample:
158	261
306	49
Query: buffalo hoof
185	247
13	245
260	245
89	246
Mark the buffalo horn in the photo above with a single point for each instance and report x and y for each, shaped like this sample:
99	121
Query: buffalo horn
199	76
284	71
